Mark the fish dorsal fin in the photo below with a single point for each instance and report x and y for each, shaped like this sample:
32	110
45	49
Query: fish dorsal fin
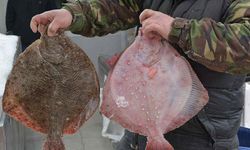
197	99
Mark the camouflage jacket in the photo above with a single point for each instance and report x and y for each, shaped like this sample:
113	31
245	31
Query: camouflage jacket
221	46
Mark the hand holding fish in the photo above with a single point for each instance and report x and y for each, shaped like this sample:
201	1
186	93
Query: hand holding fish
57	19
155	23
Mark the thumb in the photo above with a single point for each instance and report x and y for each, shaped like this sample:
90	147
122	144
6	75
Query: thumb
53	28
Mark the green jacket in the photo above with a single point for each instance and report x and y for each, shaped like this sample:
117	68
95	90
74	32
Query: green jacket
220	46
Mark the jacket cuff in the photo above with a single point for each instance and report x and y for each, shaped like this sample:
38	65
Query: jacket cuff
79	22
179	33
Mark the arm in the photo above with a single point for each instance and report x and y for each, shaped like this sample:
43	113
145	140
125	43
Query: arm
10	16
100	17
224	47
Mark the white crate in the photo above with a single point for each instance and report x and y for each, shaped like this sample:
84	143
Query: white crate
247	107
11	132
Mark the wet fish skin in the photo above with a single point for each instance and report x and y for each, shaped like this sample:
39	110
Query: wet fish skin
53	88
152	90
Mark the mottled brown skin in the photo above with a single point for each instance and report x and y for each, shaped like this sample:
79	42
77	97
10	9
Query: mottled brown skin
53	87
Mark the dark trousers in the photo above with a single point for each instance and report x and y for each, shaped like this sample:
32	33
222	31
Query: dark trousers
24	46
191	136
178	141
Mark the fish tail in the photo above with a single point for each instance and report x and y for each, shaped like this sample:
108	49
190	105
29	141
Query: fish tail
158	143
55	143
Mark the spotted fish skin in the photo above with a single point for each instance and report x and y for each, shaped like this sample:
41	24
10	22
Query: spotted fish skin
53	88
152	90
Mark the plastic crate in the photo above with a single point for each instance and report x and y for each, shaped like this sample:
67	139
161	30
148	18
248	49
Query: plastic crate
244	138
244	148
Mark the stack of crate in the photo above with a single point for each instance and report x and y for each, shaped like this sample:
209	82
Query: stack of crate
11	132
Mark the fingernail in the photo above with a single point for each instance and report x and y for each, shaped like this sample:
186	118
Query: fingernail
33	28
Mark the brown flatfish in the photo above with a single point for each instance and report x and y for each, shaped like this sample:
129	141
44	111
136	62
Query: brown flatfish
53	88
152	90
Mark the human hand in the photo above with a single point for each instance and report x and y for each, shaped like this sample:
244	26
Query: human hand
155	23
56	19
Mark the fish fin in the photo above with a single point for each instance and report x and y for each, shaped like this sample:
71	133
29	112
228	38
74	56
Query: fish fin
53	144
87	112
16	111
158	143
197	98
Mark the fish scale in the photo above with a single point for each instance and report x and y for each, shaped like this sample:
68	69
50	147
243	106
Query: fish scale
53	89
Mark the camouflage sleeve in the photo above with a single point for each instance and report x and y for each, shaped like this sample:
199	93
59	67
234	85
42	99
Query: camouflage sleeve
223	47
100	17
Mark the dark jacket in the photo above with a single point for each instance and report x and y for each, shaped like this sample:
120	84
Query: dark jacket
220	119
19	14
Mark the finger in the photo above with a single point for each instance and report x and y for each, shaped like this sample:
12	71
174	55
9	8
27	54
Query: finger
53	28
34	24
41	28
39	19
146	23
145	14
153	35
152	30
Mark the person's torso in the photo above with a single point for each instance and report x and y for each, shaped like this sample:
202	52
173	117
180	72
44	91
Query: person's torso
226	95
24	11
